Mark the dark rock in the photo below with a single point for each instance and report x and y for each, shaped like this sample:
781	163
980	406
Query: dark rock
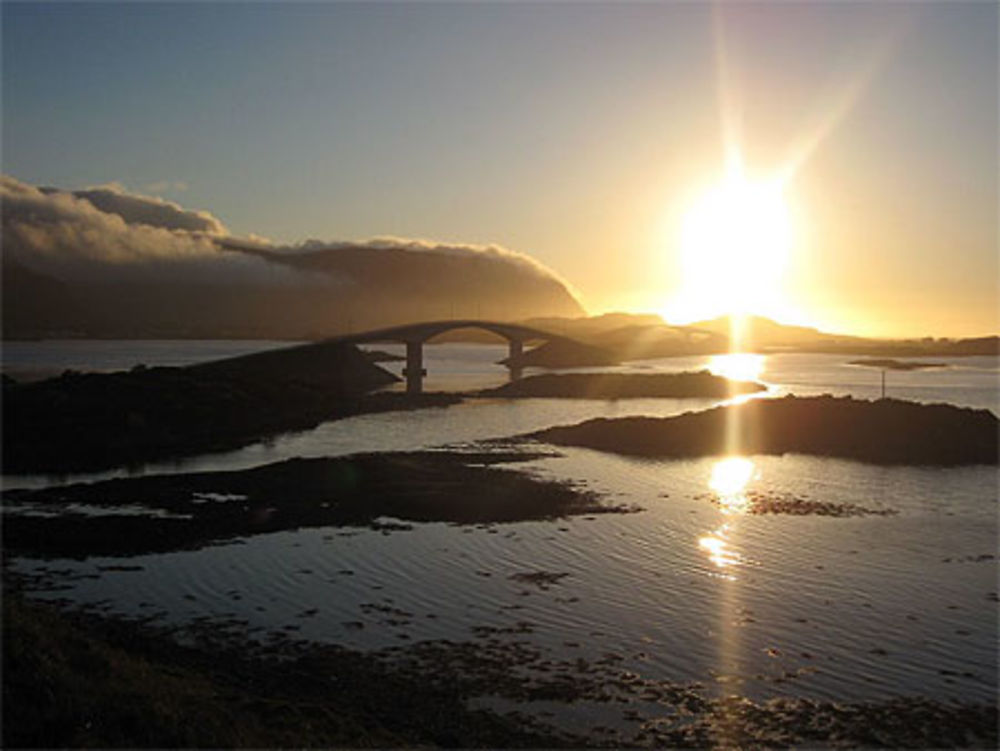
887	431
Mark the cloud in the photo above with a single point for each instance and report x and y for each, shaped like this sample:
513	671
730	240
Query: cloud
148	210
107	234
490	252
72	238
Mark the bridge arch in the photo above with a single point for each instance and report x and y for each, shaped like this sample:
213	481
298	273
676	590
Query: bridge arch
415	335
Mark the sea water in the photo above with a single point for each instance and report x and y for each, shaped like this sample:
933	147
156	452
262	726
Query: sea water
902	602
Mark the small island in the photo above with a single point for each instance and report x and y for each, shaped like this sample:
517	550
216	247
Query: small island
890	364
700	384
887	431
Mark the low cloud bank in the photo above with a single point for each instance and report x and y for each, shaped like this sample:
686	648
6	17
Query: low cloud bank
490	252
109	234
155	212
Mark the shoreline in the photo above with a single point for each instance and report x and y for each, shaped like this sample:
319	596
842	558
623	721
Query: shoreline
101	421
189	511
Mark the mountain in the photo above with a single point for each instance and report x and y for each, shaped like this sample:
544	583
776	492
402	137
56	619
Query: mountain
388	285
347	290
759	333
624	337
103	262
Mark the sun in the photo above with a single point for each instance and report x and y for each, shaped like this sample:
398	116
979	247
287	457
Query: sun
734	246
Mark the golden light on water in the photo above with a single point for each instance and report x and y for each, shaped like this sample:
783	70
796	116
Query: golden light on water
738	366
716	545
729	479
731	475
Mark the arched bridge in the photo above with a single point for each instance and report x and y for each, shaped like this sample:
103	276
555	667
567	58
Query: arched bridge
415	335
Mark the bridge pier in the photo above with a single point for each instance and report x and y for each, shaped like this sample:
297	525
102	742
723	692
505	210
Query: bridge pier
515	350
414	371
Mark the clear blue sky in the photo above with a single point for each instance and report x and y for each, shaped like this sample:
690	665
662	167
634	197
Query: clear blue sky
568	132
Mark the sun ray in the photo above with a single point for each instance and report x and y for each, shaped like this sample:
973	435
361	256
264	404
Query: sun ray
844	99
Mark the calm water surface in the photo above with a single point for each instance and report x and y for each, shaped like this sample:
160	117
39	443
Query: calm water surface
970	382
851	608
28	360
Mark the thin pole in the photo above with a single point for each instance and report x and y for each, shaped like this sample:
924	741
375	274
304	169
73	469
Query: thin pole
883	384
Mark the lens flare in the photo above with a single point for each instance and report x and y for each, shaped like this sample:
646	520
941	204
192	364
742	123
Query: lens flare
737	366
731	475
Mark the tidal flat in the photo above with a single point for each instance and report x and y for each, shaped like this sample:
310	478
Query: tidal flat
508	652
830	603
185	511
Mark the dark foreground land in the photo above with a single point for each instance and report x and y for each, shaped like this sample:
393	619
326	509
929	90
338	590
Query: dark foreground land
74	679
887	431
201	508
81	681
701	384
91	421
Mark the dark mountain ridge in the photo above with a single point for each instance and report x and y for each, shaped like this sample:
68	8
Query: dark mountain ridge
339	291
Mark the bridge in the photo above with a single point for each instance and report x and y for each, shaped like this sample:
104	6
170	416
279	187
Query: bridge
415	335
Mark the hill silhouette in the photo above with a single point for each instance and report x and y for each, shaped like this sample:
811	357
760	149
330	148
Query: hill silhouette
621	337
350	289
105	263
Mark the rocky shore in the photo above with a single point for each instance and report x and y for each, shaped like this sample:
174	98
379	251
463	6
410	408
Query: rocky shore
85	680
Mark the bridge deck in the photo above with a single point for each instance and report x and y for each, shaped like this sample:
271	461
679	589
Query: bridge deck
415	335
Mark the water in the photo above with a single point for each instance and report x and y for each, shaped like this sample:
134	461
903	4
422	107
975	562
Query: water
854	608
31	360
969	382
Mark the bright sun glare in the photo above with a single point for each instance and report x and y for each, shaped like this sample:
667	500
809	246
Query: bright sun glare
735	241
731	475
737	366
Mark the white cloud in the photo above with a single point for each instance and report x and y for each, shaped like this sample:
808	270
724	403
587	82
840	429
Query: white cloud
69	237
156	212
106	233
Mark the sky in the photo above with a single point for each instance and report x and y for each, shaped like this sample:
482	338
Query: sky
579	134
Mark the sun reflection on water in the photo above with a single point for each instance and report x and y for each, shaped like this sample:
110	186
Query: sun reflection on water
737	366
716	545
730	477
729	480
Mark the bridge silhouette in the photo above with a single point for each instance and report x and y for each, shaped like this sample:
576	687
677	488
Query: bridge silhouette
415	335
